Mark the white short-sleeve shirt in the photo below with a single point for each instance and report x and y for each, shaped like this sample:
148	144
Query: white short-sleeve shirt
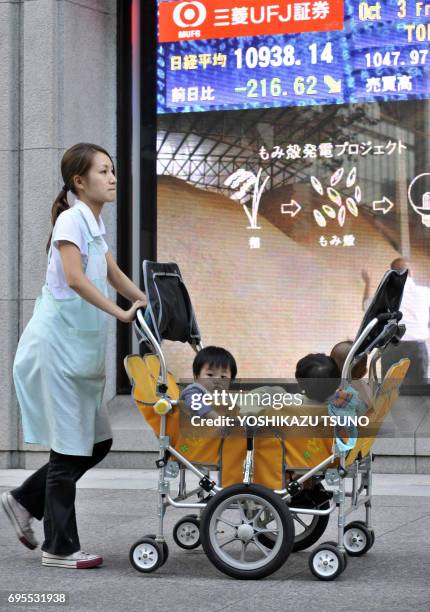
69	227
415	307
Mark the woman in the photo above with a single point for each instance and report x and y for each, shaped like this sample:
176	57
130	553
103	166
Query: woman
59	367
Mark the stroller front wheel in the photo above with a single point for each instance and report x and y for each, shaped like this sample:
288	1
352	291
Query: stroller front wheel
357	538
327	562
186	532
164	545
146	555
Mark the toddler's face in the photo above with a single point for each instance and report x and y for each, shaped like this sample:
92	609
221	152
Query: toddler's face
214	378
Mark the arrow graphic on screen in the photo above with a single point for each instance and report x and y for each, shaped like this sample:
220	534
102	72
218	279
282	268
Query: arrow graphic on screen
334	85
291	209
384	205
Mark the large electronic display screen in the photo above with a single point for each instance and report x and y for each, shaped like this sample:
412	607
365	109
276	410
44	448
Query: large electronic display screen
293	161
226	54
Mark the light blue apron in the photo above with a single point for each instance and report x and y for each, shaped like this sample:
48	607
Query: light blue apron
59	367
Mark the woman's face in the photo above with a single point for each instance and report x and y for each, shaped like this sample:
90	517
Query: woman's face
99	184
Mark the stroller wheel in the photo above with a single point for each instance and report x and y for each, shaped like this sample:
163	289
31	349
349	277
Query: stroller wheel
186	532
308	528
357	538
370	530
345	556
165	552
327	562
233	528
165	547
146	555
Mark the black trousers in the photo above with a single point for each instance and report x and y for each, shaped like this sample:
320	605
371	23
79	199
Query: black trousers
416	352
50	494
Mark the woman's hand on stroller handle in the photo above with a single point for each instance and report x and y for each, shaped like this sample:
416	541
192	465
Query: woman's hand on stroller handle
388	316
365	276
128	316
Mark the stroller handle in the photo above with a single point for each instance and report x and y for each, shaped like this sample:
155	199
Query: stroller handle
391	327
144	333
389	316
140	309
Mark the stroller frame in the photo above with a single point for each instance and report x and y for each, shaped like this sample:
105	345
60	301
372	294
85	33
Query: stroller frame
328	560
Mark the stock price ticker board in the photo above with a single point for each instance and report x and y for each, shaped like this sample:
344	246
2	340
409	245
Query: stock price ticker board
239	54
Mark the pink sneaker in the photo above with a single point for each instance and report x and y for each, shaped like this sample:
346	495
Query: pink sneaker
77	560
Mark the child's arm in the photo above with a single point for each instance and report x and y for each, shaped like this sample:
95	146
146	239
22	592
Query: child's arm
363	389
192	396
350	400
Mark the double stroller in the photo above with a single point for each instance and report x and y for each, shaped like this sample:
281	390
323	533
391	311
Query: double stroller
246	515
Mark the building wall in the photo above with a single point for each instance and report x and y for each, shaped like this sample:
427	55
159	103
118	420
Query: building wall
57	87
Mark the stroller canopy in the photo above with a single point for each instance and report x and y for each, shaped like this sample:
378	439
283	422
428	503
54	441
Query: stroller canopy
169	314
385	307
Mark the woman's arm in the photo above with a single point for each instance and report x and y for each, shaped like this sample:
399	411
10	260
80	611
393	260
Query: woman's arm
120	282
366	293
76	279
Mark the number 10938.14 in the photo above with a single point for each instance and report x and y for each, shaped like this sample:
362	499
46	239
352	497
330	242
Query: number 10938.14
278	56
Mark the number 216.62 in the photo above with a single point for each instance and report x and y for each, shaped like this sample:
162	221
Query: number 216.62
273	87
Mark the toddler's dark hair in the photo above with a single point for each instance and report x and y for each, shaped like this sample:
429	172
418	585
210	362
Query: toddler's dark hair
214	356
318	376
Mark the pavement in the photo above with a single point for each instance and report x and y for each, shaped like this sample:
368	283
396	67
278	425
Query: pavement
116	507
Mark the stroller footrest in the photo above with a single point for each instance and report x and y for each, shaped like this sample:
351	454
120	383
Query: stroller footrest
294	488
206	484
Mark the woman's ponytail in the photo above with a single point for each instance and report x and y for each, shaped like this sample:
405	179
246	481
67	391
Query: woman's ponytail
61	204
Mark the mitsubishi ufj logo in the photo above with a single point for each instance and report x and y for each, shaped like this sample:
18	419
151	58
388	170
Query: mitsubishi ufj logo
189	14
206	19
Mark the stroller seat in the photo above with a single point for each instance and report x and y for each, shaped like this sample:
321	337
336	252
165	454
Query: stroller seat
296	452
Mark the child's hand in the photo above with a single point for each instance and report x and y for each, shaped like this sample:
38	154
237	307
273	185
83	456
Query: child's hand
341	399
234	412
